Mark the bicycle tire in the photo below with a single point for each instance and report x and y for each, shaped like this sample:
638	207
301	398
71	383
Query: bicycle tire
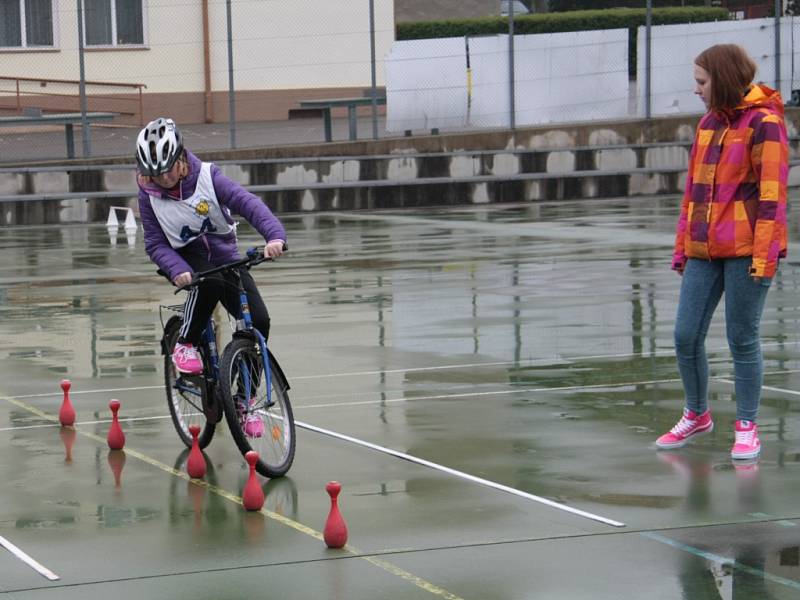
275	444
185	407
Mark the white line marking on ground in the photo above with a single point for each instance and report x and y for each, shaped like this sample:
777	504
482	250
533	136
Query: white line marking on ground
520	390
530	361
461	474
36	566
523	390
527	362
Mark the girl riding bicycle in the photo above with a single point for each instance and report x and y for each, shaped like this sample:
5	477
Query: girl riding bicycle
185	206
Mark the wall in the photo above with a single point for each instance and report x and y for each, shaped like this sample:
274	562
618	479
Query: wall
675	47
590	160
559	77
568	77
278	47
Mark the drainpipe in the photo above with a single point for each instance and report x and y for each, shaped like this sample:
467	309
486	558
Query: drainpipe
207	103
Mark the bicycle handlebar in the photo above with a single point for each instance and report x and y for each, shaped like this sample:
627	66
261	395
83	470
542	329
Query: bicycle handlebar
254	256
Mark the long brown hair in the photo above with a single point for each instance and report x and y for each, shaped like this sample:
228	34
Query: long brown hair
731	70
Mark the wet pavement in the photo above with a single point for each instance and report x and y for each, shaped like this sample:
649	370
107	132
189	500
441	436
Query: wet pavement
510	368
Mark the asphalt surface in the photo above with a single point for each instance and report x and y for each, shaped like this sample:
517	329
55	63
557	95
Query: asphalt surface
509	368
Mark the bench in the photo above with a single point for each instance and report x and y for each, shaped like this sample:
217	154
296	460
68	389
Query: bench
68	120
326	105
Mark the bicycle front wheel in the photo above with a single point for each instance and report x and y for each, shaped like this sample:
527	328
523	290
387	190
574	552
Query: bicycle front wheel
186	395
257	406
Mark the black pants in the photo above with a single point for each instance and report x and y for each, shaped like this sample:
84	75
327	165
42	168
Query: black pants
203	299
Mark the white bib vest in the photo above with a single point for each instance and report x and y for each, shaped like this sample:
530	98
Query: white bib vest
185	220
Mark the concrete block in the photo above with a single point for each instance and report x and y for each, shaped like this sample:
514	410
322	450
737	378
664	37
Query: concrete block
794	176
480	194
11	184
533	190
308	202
589	187
50	182
401	168
667	157
551	139
73	210
615	160
296	174
641	184
606	137
120	180
343	170
464	166
684	133
236	172
560	162
505	164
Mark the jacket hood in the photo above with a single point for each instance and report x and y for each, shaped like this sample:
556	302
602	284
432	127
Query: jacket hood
762	96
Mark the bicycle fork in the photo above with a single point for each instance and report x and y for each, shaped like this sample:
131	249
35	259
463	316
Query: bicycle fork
247	325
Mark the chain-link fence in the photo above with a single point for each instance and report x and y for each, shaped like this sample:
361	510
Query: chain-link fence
235	73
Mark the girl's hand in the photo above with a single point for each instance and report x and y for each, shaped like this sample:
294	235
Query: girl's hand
182	279
274	248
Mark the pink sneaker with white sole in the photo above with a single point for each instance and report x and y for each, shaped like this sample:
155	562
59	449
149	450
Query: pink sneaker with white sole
691	424
186	359
747	444
252	425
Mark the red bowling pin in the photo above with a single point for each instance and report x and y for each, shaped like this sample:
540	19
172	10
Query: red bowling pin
68	438
67	413
335	532
116	438
116	460
253	495
196	465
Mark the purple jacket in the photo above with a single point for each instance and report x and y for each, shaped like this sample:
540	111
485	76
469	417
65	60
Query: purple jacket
218	249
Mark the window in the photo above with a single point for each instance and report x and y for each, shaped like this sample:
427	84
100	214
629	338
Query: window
26	23
114	23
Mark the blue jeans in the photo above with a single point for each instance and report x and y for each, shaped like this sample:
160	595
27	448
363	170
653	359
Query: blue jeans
703	284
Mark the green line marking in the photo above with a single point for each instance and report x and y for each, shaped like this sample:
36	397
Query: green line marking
721	560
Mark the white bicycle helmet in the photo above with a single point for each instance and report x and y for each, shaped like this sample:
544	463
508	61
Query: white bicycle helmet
158	146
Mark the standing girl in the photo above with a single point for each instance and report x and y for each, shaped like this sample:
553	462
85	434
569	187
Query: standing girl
730	236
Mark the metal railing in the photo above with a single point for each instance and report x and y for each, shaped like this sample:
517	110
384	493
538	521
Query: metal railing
24	94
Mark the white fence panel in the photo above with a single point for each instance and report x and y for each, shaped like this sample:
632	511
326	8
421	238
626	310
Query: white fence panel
558	77
674	48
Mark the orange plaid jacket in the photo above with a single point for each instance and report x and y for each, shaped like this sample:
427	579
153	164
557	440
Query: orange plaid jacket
735	199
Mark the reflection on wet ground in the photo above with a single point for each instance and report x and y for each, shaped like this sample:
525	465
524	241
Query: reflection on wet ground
527	346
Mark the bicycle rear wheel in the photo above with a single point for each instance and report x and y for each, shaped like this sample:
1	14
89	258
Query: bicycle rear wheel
257	407
186	395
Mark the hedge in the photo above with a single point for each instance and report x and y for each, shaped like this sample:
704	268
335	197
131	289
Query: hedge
578	20
564	5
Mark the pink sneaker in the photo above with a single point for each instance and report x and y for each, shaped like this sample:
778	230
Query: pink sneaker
691	424
252	424
186	359
747	444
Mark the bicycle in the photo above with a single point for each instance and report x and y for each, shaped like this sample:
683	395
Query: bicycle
245	383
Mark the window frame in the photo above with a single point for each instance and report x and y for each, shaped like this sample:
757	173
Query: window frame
24	45
114	45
